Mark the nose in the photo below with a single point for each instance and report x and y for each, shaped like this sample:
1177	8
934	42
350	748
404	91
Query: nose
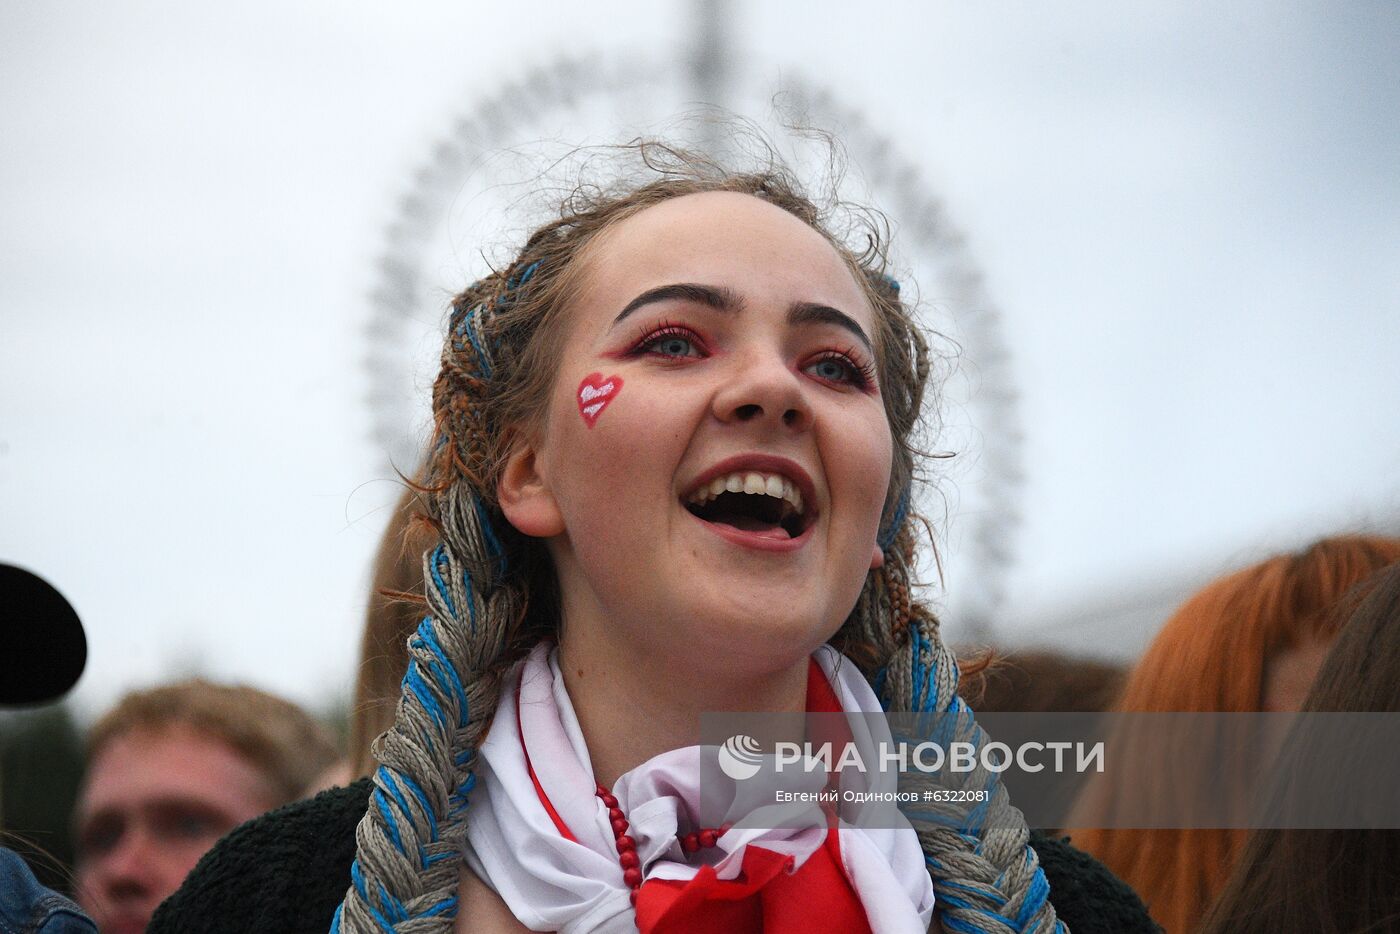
127	870
763	389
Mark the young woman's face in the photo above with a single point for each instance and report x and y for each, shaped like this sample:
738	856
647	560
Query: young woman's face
716	454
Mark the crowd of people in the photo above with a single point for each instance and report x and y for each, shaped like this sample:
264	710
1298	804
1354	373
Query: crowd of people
649	495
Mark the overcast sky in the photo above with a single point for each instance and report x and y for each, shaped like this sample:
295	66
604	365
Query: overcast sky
1186	220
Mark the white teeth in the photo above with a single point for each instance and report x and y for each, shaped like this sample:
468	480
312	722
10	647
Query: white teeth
792	496
753	483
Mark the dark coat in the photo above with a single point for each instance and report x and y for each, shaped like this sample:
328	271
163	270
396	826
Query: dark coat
285	873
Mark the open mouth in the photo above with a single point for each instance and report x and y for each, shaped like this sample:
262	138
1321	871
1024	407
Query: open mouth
767	504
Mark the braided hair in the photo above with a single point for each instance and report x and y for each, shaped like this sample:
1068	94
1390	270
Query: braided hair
492	593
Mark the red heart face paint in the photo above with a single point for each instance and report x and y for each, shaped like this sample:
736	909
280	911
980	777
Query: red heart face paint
594	394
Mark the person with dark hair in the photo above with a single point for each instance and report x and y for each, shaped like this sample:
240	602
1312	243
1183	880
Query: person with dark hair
1328	881
1250	641
1040	681
672	472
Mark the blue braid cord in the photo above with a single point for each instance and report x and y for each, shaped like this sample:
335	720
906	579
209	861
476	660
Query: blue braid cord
923	696
396	783
1035	898
426	637
493	544
483	363
383	805
901	509
1039	892
446	906
397	912
440	556
463	326
471	603
519	280
947	726
395	792
458	800
962	888
879	685
413	681
954	924
389	793
494	549
959	925
458	324
358	880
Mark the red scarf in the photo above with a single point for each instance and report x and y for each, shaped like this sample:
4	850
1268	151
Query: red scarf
766	896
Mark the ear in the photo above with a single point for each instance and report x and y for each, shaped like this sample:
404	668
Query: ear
524	494
877	560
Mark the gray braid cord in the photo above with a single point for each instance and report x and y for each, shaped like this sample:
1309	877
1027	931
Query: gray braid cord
986	876
409	843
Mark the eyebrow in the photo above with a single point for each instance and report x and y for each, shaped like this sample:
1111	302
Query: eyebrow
174	801
813	313
722	299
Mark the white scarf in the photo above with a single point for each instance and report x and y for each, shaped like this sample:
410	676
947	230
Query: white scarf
552	883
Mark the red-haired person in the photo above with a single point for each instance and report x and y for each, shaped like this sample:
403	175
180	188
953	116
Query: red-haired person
1250	641
1327	881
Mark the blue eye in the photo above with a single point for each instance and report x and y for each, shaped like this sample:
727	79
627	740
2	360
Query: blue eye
673	347
836	367
832	369
671	342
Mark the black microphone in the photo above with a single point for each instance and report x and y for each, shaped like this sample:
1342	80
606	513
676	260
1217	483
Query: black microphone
42	645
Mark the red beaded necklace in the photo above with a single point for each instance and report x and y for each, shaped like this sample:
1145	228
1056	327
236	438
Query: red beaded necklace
627	847
820	699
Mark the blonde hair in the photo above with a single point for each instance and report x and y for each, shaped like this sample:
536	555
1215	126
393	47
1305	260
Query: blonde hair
286	744
396	607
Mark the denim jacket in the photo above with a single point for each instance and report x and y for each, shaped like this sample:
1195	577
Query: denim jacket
26	907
